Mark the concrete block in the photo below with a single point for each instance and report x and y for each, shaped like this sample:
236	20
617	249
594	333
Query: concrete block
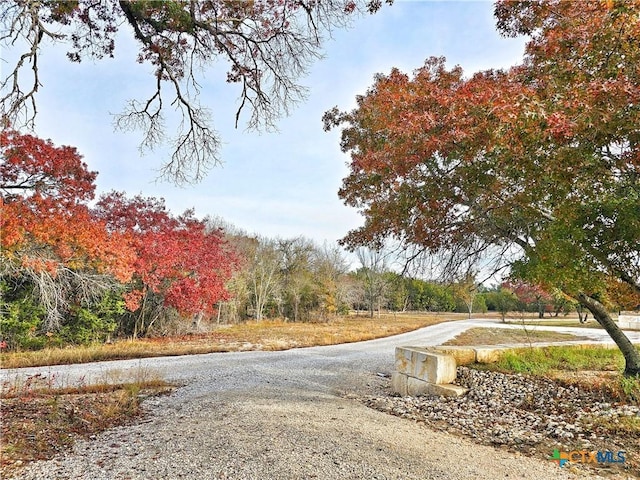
404	362
406	385
463	355
417	387
447	390
629	320
629	325
488	354
425	364
399	383
414	387
435	368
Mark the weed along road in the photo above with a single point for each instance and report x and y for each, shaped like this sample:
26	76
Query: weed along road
279	415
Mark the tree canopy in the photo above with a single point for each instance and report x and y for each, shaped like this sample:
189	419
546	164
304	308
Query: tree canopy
268	45
540	161
59	254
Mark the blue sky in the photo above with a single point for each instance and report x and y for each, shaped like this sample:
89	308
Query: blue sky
280	184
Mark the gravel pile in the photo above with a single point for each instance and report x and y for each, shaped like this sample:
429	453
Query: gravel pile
513	410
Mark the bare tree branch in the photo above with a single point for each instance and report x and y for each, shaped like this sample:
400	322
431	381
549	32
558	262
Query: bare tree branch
268	46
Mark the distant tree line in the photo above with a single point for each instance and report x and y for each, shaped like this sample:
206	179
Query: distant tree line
76	271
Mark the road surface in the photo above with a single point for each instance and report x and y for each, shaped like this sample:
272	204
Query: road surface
280	415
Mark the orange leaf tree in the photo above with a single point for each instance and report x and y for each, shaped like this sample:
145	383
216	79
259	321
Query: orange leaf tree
541	162
50	242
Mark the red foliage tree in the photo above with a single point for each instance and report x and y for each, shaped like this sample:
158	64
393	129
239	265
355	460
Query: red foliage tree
540	162
49	240
530	294
176	257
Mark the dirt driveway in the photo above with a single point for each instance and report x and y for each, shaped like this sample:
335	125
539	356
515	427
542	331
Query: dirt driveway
279	415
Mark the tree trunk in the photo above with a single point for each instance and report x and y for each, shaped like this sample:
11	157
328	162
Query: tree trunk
581	316
197	319
600	313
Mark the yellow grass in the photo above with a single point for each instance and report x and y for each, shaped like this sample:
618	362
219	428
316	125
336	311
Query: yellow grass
263	335
502	336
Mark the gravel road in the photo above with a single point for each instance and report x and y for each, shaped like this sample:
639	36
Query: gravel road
279	415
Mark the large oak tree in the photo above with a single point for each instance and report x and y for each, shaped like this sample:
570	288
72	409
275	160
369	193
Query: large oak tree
267	44
540	162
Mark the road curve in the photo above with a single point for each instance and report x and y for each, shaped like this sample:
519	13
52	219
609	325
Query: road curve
279	415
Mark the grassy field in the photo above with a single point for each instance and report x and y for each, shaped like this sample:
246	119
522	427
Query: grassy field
501	336
555	322
545	361
263	335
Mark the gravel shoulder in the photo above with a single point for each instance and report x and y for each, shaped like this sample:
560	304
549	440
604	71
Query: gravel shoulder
289	436
524	414
283	415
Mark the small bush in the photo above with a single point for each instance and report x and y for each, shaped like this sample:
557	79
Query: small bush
631	388
20	318
93	323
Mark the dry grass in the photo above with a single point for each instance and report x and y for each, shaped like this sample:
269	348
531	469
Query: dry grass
555	322
264	335
39	422
500	336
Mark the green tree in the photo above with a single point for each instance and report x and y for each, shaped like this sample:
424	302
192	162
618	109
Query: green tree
21	315
540	163
87	324
397	291
430	296
501	300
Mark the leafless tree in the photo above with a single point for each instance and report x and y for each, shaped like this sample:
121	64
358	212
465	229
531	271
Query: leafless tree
268	46
373	265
